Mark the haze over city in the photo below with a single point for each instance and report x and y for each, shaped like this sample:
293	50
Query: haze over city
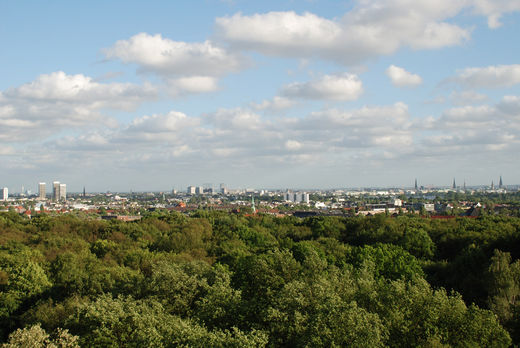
152	95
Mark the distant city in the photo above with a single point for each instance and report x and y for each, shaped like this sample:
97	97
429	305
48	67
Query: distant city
59	190
351	201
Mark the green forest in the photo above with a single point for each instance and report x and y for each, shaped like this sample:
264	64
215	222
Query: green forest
216	279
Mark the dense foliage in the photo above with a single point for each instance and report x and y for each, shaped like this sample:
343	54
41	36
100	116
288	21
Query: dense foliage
226	280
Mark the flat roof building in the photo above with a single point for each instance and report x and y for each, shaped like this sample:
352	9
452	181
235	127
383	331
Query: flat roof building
42	193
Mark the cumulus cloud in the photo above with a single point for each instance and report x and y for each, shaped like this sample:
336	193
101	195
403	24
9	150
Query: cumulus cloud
476	128
372	28
244	137
345	87
494	76
173	121
192	84
467	97
274	105
239	140
57	101
494	9
58	87
164	56
402	78
185	67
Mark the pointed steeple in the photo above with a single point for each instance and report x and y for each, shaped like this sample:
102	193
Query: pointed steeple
492	185
454	185
416	184
253	204
500	183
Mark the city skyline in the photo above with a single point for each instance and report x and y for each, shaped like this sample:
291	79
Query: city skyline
316	94
41	188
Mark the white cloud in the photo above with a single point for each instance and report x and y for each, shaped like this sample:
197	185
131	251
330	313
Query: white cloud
494	76
345	87
402	78
58	101
494	9
510	105
276	104
386	136
372	28
477	128
243	137
467	97
172	122
58	87
192	84
185	67
293	145
166	57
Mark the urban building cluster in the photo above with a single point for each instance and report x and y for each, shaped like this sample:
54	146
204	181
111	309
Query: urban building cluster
362	201
296	197
206	189
59	191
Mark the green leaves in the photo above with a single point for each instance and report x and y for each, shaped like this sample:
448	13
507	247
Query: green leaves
221	280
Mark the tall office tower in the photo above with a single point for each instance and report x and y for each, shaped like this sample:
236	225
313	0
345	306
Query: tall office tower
4	194
41	191
223	189
454	185
199	190
416	185
190	190
63	192
55	191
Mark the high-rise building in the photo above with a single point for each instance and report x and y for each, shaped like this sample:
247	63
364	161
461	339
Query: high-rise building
296	197
223	189
59	191
416	187
42	193
454	186
4	194
500	183
199	190
55	191
63	192
190	190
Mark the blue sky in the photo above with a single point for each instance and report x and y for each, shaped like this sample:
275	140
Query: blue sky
279	94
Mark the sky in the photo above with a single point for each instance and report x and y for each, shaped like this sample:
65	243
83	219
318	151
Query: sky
150	96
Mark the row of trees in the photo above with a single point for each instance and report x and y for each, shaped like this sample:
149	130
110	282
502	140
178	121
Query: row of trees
227	280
